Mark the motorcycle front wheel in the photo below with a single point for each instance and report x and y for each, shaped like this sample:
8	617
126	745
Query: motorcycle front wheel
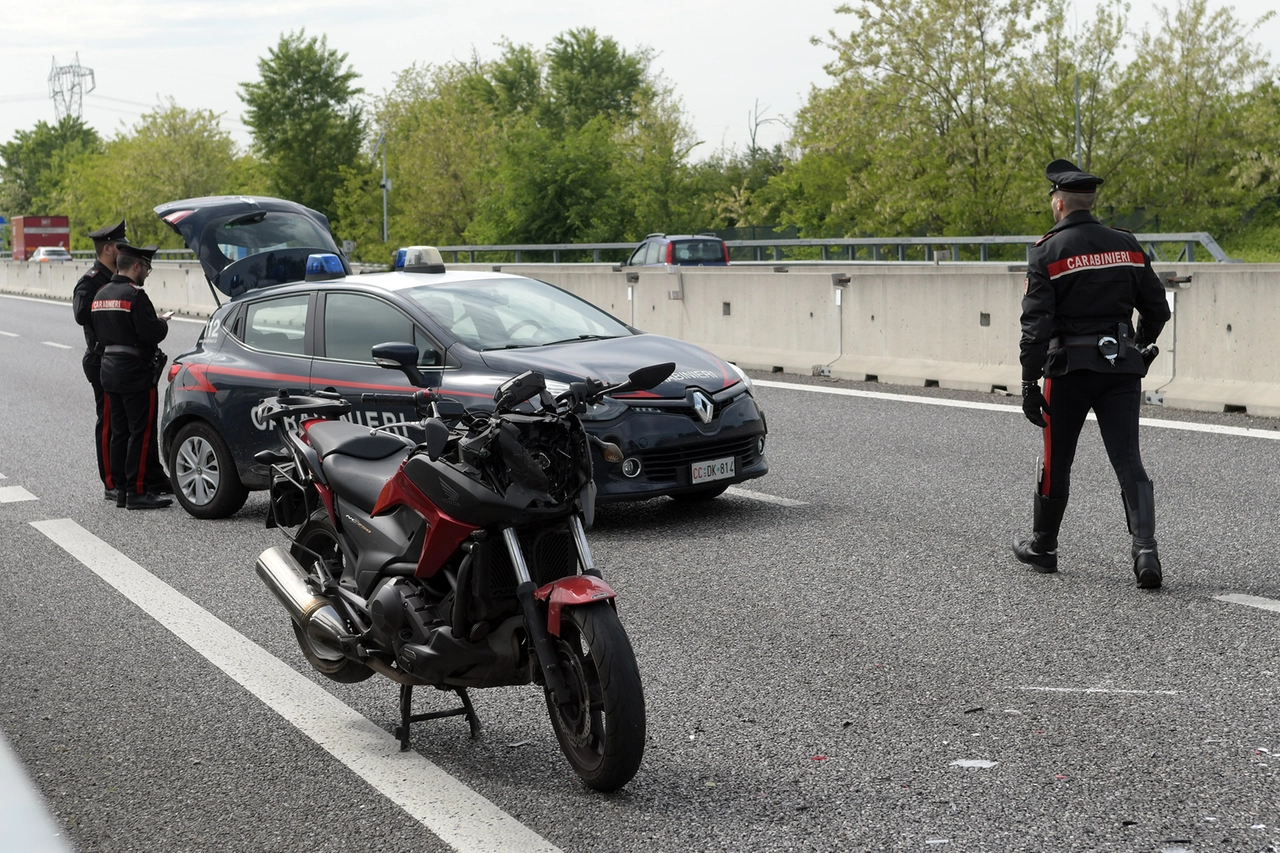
317	540
602	728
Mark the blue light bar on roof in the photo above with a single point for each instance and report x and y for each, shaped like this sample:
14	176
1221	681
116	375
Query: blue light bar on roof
322	266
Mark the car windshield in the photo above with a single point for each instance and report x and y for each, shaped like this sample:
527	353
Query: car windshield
253	233
513	312
697	251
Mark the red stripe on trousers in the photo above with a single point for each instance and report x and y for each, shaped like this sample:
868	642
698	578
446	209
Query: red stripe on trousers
1048	439
146	443
105	441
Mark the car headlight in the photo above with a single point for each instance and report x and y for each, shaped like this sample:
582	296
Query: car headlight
606	410
746	380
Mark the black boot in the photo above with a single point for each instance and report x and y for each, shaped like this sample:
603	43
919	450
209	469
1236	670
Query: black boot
1140	511
147	501
1040	549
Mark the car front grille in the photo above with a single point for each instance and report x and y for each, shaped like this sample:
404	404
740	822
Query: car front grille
664	466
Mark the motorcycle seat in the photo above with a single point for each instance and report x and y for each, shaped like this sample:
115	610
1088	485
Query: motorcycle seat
360	481
351	440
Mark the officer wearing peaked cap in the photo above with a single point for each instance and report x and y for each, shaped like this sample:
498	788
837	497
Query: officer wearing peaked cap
1084	283
106	241
129	330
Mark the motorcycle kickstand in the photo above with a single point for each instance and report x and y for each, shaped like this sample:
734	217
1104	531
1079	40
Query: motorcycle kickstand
407	717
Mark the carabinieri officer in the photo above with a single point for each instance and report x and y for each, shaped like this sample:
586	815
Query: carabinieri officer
1084	281
127	326
105	243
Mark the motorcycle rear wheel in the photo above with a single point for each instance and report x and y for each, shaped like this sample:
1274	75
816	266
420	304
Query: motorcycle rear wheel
602	730
318	536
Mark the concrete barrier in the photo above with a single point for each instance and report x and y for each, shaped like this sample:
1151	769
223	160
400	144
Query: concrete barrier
949	325
173	285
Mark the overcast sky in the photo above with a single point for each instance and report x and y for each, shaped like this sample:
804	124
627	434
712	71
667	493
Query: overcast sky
722	57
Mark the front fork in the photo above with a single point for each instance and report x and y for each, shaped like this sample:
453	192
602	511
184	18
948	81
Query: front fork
537	627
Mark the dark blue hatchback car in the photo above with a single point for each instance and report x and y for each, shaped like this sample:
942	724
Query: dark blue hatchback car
703	250
690	437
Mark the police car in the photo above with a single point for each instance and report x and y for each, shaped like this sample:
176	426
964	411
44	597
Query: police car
299	319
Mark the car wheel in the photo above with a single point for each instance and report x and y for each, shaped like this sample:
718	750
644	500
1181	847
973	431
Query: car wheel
205	480
704	494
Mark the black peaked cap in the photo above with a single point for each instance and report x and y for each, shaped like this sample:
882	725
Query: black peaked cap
1065	176
144	252
110	233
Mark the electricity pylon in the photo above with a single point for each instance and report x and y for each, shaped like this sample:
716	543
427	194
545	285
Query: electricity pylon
67	87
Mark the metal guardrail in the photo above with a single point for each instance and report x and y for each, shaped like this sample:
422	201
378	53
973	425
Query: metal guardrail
873	248
847	248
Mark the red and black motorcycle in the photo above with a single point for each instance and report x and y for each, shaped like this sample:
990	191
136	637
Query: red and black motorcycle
459	560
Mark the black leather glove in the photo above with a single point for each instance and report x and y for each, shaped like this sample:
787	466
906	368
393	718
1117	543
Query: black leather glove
1149	354
1033	403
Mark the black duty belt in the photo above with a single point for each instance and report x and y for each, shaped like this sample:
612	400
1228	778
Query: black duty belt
122	349
1109	347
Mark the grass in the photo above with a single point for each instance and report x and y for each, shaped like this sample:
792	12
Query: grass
1259	240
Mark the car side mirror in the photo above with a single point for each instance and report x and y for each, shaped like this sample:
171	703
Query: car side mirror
437	436
395	355
651	376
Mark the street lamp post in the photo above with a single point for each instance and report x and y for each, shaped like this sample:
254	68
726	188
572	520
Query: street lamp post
385	184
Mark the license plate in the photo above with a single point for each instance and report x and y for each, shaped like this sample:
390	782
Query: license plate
716	469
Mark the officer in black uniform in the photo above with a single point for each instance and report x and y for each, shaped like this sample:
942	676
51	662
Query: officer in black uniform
126	324
105	242
1084	281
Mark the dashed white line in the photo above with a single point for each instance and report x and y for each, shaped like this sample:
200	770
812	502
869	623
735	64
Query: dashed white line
761	496
10	334
455	813
13	494
1159	423
1099	690
55	344
1250	601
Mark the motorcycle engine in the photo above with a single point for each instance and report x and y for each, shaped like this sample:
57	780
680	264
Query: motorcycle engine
401	613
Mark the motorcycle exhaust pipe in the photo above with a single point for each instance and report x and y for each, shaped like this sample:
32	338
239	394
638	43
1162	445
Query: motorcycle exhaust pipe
284	576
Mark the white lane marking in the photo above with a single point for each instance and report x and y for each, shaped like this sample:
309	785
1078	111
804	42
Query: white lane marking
1099	690
10	334
13	494
35	299
55	344
1250	601
3	477
68	302
1246	432
761	496
459	816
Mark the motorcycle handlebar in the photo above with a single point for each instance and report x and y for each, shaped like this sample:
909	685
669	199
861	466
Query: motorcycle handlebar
389	399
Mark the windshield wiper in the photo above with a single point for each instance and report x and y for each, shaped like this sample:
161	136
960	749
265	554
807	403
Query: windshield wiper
580	338
508	346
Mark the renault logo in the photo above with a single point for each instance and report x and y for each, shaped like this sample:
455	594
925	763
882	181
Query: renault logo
703	406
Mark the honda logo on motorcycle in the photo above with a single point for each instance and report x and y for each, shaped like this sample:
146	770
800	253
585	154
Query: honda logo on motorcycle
703	406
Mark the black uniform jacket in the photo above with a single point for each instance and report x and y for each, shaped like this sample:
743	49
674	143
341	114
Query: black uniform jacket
82	304
123	315
1085	279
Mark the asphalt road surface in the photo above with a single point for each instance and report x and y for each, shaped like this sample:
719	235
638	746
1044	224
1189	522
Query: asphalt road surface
844	656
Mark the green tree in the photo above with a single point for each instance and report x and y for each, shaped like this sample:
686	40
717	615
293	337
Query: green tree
589	140
306	119
442	137
171	153
1205	119
589	77
932	80
34	162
